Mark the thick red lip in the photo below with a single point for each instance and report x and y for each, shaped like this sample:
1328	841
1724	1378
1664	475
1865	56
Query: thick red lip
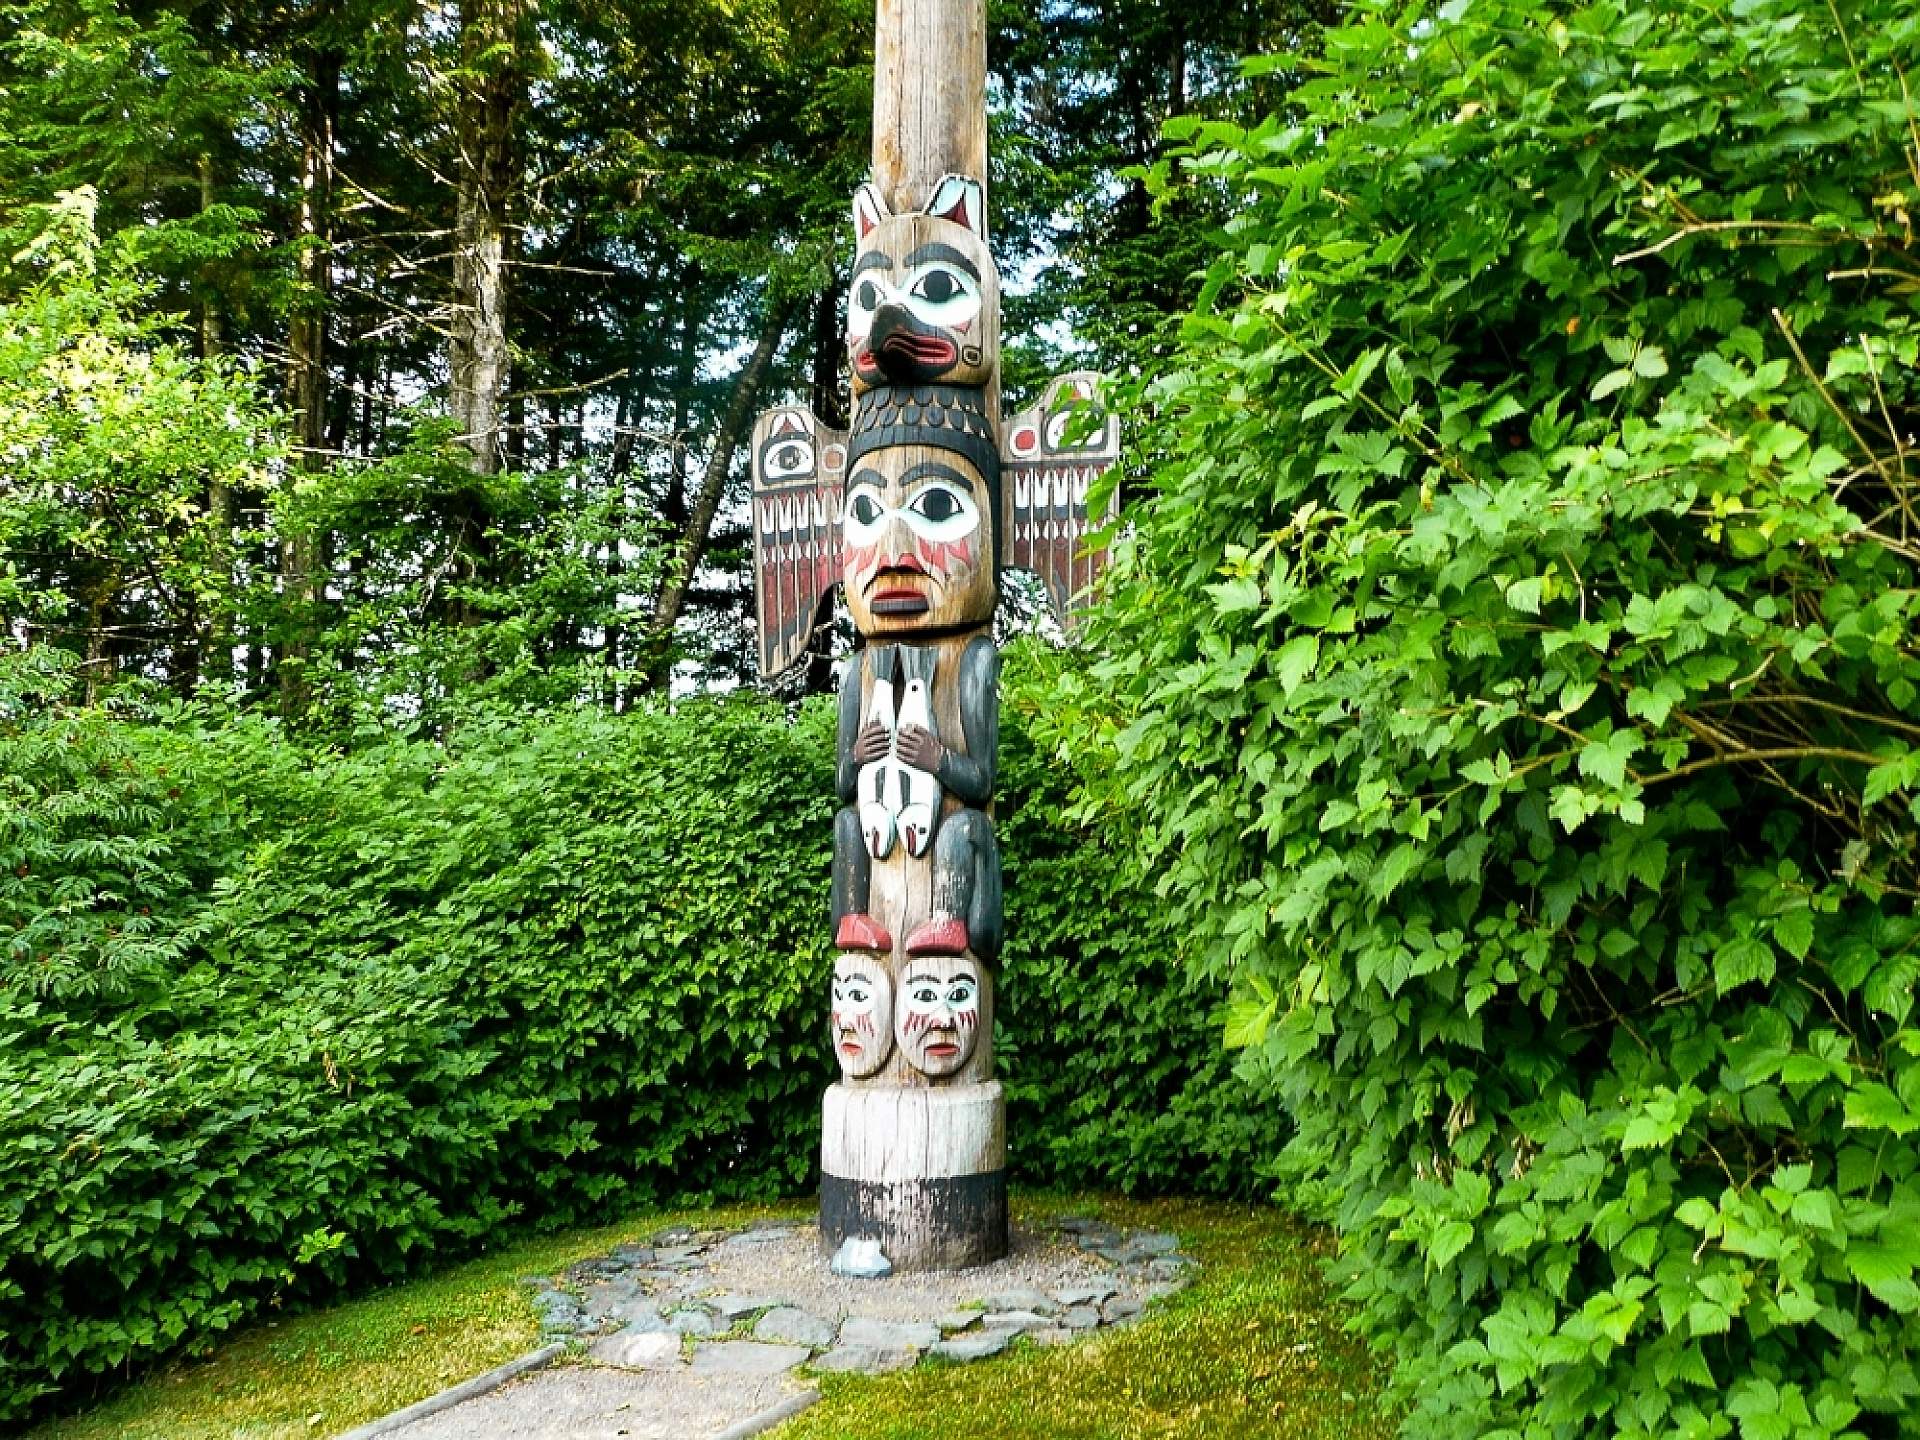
921	349
942	1051
850	1047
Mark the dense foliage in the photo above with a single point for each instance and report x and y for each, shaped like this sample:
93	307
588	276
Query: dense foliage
1517	671
279	1021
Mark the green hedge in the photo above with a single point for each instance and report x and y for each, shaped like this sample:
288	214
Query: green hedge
278	1023
1516	681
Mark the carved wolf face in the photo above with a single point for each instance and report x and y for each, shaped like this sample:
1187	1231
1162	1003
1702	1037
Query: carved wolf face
925	307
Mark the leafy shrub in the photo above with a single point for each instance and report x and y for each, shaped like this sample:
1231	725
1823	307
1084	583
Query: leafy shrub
1515	675
386	1003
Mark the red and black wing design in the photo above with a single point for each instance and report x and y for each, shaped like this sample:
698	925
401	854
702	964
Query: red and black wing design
1044	480
799	477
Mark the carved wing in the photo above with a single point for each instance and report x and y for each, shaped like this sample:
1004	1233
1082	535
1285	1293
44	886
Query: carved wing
1044	479
799	477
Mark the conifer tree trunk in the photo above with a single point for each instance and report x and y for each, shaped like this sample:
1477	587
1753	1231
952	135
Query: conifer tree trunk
303	560
492	91
713	485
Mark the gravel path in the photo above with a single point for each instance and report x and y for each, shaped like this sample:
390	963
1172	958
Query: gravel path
696	1331
591	1402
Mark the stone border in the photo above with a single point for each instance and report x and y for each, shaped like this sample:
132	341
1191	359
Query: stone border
773	1415
466	1390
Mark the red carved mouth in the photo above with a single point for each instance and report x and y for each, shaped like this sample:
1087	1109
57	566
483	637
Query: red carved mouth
942	1051
889	596
849	1047
929	351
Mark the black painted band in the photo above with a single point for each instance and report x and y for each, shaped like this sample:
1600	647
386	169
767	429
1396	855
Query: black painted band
946	1223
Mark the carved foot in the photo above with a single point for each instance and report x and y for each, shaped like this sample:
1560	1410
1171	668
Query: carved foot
861	932
939	937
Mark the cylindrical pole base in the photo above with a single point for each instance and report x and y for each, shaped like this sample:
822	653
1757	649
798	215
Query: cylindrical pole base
922	1171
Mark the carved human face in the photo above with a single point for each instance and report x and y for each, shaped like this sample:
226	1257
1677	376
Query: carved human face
925	301
938	1020
917	542
862	1015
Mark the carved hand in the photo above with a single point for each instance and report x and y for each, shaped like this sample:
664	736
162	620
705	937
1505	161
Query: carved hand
921	750
871	743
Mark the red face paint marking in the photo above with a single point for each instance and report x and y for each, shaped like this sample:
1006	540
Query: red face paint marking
917	1022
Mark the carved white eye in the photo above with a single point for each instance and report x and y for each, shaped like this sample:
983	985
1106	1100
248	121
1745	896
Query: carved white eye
960	994
943	296
942	513
865	518
868	296
788	459
925	996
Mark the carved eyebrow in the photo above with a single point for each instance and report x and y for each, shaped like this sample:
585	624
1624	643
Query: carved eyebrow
934	470
874	260
943	252
869	477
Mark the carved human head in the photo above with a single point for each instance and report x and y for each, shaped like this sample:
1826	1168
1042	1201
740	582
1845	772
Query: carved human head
925	303
862	1014
917	539
938	1019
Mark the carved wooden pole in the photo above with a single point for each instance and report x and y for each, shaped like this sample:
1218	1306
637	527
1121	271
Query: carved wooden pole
929	97
914	511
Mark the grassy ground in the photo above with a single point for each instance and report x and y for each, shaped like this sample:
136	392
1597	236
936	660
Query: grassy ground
1252	1351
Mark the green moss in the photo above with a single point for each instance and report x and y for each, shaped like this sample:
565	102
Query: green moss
356	1362
1252	1350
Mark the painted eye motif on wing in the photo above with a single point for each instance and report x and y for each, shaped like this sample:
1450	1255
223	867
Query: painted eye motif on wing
785	460
866	517
944	296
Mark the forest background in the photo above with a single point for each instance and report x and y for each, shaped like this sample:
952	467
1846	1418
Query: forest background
397	843
1500	728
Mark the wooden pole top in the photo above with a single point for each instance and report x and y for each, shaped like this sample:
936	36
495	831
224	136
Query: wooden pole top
929	97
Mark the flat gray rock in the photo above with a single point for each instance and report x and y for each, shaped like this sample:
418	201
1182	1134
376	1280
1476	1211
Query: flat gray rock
1024	1298
959	1320
1081	1317
1015	1320
1121	1308
1086	1294
693	1322
889	1334
747	1239
677	1255
1155	1242
786	1325
641	1317
638	1350
864	1359
973	1347
737	1307
745	1357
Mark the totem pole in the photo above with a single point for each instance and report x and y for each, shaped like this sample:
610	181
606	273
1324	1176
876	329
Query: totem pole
914	512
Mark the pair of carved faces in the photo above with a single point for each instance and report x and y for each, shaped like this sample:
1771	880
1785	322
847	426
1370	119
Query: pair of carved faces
925	306
936	1019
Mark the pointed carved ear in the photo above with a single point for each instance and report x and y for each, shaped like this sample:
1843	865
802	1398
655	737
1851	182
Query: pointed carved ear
869	212
963	200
